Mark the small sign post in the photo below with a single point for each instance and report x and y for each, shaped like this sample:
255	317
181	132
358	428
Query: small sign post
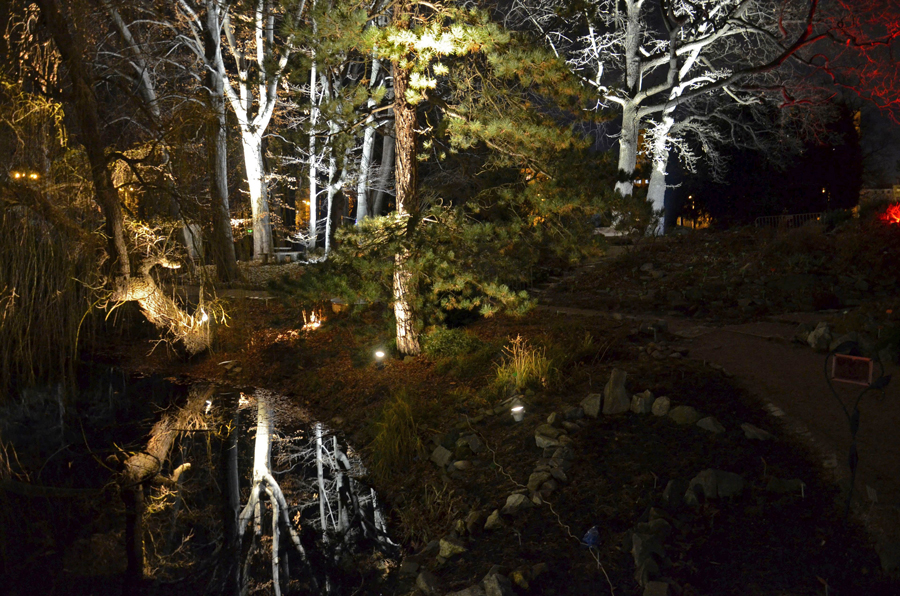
851	369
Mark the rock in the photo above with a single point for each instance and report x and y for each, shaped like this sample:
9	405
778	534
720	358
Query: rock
409	568
470	591
544	442
519	577
548	431
537	479
563	453
889	555
754	432
645	571
729	484
711	424
717	484
852	336
642	403
441	456
615	398
570	426
474	443
660	406
574	413
673	494
515	503
494	521
656	589
657	527
539	569
428	583
644	546
451	547
462	465
592	404
684	415
497	584
820	338
475	522
780	485
554	418
647	267
548	487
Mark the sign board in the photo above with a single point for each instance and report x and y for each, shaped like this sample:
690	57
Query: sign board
851	369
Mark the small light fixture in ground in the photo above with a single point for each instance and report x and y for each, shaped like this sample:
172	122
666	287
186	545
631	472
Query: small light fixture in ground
379	358
517	410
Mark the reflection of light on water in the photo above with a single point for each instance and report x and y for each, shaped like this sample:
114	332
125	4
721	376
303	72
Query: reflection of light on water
243	401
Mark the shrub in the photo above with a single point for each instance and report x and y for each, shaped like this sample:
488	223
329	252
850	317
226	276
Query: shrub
447	343
396	440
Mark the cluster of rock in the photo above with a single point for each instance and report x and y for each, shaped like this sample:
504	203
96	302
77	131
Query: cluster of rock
460	450
822	338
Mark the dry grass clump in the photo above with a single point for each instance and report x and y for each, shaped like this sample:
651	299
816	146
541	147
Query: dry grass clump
525	367
396	440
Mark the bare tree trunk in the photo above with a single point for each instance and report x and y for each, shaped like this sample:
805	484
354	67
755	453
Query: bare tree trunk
313	158
628	148
217	149
365	159
384	174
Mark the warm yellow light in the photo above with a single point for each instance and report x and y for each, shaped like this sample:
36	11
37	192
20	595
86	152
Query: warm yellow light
379	354
203	317
33	176
17	174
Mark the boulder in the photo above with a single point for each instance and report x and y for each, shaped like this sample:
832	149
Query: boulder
673	494
428	583
515	503
548	430
574	413
494	521
754	432
656	589
615	398
497	584
642	403
717	484
660	406
451	547
592	404
684	415
537	479
820	338
475	522
711	424
544	442
470	591
441	456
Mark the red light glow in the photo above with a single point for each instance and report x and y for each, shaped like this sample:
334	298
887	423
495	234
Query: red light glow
892	215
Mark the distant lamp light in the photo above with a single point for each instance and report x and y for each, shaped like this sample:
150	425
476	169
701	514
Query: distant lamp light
17	175
517	410
208	406
33	176
203	316
379	358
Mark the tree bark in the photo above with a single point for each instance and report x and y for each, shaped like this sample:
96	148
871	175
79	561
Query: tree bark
217	148
406	182
71	48
365	159
384	175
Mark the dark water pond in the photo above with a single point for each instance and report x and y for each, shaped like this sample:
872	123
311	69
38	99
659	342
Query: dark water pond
246	491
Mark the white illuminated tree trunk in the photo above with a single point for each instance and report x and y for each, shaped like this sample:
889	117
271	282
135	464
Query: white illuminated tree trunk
263	71
264	483
368	147
384	175
313	156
